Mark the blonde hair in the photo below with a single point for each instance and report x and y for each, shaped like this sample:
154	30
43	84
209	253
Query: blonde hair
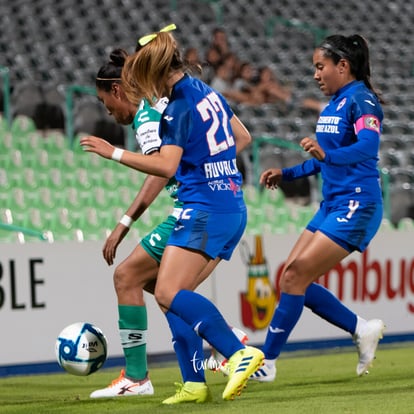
145	73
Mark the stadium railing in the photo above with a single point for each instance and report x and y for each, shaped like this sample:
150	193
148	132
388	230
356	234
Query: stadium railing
26	231
5	76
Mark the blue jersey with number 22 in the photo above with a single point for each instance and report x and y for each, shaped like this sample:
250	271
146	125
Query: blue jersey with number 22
197	119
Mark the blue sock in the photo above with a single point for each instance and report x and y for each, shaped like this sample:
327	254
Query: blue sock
188	347
284	320
206	320
326	305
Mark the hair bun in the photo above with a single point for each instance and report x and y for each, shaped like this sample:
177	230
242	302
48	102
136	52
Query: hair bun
118	57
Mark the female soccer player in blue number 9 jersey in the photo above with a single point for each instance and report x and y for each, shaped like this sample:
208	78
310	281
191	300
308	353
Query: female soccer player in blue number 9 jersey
198	147
346	155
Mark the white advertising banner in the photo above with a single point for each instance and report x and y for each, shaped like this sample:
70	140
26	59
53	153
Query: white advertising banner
45	287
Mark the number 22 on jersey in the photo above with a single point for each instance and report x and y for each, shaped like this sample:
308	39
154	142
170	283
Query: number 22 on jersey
209	109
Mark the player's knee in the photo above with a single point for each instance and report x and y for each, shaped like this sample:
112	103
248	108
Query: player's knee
163	297
122	278
293	280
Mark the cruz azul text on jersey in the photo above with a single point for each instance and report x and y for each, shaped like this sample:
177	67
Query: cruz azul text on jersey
328	124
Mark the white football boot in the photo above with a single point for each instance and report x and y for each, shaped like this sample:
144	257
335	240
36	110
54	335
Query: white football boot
366	342
124	387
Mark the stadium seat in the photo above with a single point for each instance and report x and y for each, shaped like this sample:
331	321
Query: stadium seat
49	52
9	236
402	201
405	224
25	99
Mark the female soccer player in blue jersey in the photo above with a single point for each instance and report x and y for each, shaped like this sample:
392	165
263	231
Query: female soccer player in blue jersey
198	131
346	155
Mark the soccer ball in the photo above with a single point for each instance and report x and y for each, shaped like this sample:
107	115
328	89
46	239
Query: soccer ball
81	349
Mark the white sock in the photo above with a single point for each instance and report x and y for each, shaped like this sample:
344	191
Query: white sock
360	326
269	362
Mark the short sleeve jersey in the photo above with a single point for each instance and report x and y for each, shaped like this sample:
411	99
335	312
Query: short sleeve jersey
197	119
146	125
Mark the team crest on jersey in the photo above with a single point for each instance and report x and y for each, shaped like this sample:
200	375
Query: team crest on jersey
341	104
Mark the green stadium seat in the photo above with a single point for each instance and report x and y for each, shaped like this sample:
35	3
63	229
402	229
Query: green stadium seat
302	215
54	142
274	197
21	125
64	225
5	183
386	225
405	224
251	196
56	179
7	236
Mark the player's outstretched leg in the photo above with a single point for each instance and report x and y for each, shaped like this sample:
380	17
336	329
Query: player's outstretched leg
242	364
366	342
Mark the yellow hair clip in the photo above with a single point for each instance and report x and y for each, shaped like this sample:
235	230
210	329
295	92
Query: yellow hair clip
144	40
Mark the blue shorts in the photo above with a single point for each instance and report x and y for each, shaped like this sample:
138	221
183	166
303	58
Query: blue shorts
351	224
215	234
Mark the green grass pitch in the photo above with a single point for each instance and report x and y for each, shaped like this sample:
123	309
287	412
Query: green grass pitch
309	383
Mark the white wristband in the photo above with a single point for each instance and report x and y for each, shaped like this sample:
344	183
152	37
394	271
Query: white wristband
126	221
117	154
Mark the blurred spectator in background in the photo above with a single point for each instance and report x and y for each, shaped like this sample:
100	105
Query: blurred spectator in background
273	91
217	52
223	83
192	58
219	42
245	84
222	79
212	61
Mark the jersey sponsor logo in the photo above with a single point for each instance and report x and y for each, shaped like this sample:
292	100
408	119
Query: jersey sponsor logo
223	185
168	118
341	104
328	124
150	133
369	102
233	186
220	168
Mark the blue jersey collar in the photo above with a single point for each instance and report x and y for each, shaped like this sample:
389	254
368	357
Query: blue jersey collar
349	85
